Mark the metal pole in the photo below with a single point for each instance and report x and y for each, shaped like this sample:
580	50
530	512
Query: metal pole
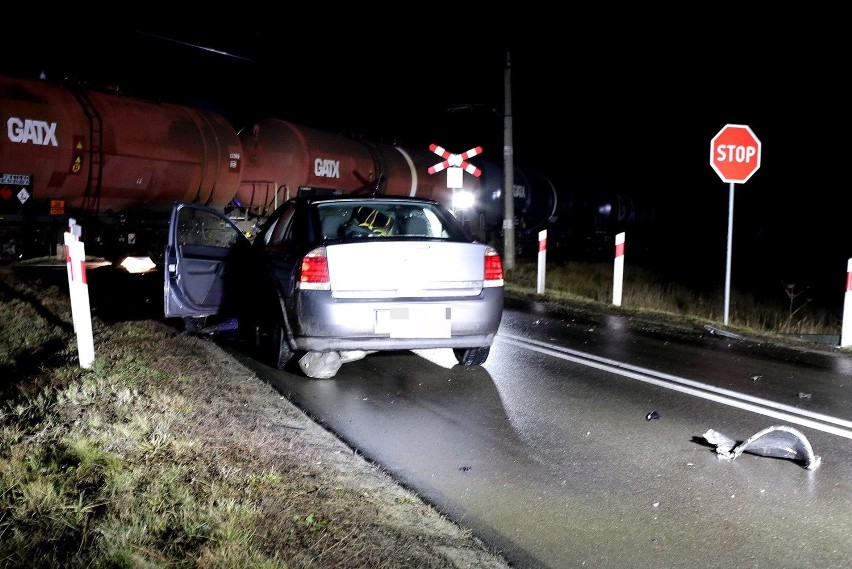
730	245
508	173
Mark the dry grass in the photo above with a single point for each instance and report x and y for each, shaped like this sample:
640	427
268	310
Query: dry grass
645	292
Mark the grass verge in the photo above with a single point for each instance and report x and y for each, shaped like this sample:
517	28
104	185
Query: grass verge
645	291
168	453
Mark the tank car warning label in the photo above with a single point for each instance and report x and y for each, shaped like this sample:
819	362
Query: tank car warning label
15	190
77	163
16	180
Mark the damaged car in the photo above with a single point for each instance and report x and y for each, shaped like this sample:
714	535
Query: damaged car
331	279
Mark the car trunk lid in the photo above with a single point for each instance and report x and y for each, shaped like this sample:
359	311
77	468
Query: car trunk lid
396	269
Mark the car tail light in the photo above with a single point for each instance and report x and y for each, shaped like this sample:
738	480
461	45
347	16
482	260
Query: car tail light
313	274
493	267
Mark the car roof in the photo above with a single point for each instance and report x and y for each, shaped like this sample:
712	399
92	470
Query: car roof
366	198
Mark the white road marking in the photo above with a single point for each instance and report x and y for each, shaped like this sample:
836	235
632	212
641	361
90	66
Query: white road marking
818	421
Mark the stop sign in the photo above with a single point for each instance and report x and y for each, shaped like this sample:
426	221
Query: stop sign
735	153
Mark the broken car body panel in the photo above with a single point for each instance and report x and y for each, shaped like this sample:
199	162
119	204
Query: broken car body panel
777	441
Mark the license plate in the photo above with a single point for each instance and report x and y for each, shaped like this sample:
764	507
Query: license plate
416	321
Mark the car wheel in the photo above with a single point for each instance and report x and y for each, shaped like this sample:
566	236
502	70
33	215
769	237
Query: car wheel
269	339
193	325
281	352
471	356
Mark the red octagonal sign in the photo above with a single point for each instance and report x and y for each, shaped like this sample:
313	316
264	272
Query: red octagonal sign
735	153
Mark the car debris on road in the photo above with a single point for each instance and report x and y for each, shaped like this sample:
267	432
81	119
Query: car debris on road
776	441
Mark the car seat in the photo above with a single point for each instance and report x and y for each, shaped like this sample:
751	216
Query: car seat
416	225
370	222
331	226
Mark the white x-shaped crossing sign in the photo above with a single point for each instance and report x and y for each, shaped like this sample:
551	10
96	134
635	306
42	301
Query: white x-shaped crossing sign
455	160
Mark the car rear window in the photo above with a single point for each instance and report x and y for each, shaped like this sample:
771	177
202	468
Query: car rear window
373	219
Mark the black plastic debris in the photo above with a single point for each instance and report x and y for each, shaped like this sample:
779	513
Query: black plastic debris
652	415
777	441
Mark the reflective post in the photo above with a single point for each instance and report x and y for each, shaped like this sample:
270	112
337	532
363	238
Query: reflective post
618	270
81	314
542	259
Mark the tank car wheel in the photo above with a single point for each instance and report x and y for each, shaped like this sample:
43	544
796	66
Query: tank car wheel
471	356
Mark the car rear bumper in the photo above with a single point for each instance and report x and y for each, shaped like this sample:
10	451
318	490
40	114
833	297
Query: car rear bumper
326	323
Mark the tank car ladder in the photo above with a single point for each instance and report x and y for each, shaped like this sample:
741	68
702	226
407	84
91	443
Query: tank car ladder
92	197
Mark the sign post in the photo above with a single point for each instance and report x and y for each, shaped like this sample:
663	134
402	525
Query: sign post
735	156
846	328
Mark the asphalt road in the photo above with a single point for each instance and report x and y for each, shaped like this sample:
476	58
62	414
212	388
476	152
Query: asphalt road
582	441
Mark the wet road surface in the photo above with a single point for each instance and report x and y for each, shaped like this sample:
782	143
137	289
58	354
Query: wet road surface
547	451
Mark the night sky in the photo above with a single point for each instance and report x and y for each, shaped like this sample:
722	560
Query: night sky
602	103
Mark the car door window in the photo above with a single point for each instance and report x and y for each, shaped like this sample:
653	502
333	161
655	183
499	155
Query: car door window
280	226
202	228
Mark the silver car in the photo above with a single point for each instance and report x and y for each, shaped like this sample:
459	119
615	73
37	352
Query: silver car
335	278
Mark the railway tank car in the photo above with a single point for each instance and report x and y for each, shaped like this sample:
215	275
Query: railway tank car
282	159
116	164
104	158
535	202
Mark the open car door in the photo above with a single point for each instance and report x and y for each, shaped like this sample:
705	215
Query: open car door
204	261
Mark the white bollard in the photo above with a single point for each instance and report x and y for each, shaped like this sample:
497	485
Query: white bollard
846	329
81	314
542	255
618	272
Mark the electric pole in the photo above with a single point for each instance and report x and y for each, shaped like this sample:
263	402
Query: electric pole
508	172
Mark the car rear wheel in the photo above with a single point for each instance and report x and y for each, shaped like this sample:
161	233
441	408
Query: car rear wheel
471	356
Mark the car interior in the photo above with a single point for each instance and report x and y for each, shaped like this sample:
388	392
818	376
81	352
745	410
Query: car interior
366	221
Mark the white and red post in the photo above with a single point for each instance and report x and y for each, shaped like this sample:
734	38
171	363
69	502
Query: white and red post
846	329
75	258
542	257
618	271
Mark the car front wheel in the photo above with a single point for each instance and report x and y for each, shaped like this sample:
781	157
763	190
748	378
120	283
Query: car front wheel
280	348
269	339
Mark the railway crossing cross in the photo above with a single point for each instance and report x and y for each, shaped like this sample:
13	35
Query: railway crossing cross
455	164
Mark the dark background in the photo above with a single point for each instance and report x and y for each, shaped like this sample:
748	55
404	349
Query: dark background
602	104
